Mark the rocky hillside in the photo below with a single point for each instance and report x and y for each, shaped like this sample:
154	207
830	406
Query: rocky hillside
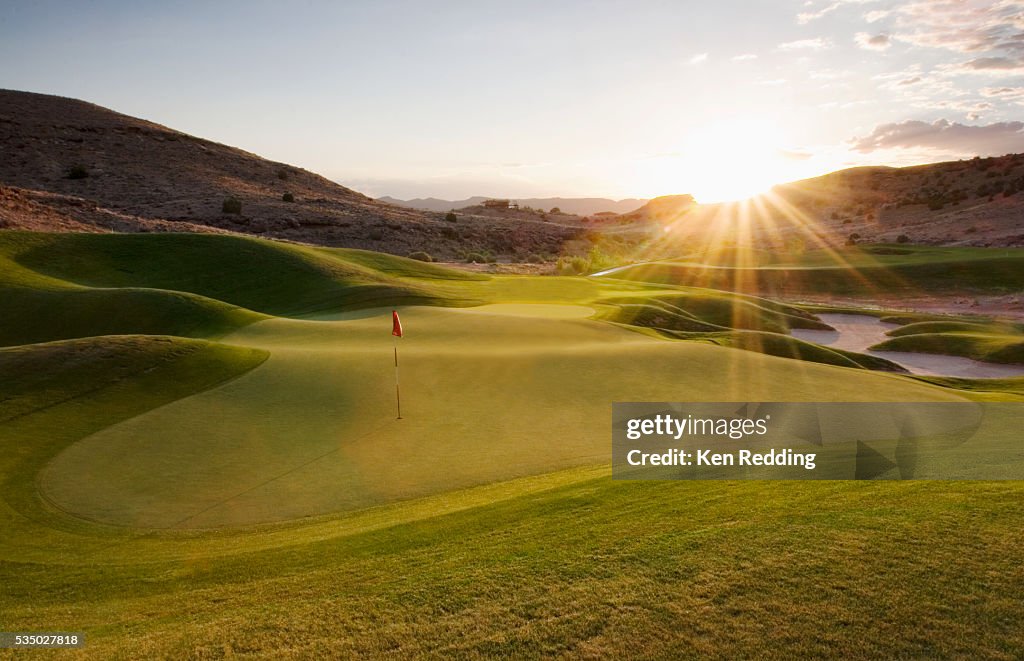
68	165
976	202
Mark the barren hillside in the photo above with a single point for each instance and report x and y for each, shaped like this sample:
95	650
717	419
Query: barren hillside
69	165
976	202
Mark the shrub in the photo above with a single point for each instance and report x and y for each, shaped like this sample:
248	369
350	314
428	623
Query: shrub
555	210
282	174
449	232
475	258
77	172
534	258
451	217
421	256
376	234
287	197
902	238
854	236
231	205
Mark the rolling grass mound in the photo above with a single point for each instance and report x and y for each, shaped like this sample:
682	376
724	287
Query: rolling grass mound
979	346
31	315
56	393
925	327
734	321
852	271
60	286
994	342
263	276
786	346
709	310
184	498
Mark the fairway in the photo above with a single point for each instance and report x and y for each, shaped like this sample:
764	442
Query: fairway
164	492
491	394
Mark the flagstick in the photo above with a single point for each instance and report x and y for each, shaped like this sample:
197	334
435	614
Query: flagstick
398	393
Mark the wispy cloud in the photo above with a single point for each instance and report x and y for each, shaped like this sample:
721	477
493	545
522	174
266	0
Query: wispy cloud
805	17
878	42
999	67
698	58
944	136
816	44
744	57
1004	93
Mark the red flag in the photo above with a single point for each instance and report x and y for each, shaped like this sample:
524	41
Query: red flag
396	324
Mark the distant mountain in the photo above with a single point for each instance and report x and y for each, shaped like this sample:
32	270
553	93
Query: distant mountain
664	208
69	165
580	206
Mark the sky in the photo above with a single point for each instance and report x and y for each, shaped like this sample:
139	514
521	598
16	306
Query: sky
532	99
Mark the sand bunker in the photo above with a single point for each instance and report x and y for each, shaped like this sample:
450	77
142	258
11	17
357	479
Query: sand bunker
857	332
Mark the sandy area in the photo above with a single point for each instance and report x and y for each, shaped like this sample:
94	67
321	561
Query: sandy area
857	332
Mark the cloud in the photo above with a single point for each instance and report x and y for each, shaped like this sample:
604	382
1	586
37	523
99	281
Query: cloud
743	57
877	42
990	32
1002	93
698	58
944	136
803	18
805	44
990	66
876	15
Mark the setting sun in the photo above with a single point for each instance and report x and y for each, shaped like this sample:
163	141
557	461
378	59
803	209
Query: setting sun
733	159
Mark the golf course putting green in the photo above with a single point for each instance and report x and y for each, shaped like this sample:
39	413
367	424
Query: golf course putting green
488	395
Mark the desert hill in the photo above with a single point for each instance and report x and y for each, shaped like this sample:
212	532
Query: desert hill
579	206
69	165
976	202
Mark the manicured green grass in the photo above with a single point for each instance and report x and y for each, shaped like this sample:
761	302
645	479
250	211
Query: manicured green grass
264	276
786	346
61	286
855	270
979	346
255	496
995	342
484	394
732	320
55	394
598	568
41	315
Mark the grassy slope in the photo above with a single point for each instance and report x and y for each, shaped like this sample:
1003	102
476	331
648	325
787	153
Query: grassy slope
598	567
54	394
849	271
989	341
80	285
732	320
484	392
595	567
